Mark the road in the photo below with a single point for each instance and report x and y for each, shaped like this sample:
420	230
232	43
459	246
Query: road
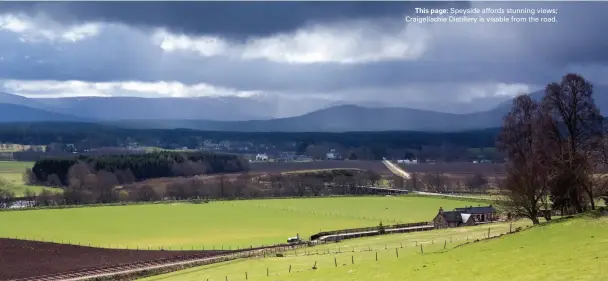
405	175
396	170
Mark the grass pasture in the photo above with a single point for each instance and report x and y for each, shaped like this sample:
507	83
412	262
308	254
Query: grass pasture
11	177
216	224
575	249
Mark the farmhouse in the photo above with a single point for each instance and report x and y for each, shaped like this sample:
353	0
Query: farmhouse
483	214
466	216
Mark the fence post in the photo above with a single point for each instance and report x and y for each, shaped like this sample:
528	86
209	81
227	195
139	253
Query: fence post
488	232
445	243
267	272
421	250
290	268
376	255
335	261
352	259
397	251
246	277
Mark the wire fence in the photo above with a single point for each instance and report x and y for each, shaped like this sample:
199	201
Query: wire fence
333	255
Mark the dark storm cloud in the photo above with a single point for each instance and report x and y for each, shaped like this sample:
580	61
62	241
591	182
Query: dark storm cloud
233	19
107	66
533	54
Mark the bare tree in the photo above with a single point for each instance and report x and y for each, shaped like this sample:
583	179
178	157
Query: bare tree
298	184
529	170
577	128
374	177
316	185
398	182
53	180
29	177
477	182
46	198
106	184
79	171
242	182
6	198
147	193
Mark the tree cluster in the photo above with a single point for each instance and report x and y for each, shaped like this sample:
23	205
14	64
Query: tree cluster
136	167
554	149
87	186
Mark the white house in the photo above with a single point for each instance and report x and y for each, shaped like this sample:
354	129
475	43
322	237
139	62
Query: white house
332	155
261	157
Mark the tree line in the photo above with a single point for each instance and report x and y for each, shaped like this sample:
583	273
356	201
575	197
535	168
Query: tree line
356	145
87	186
133	167
557	149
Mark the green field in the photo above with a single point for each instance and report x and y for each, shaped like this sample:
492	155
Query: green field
575	249
11	178
216	224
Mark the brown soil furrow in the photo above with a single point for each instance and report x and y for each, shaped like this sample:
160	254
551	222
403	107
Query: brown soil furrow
42	261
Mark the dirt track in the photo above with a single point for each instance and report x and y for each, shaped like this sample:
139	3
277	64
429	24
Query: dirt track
21	259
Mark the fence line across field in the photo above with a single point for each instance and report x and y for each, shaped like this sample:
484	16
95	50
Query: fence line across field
354	256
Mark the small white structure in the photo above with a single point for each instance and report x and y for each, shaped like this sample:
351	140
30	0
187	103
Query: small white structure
331	155
408	161
294	240
261	157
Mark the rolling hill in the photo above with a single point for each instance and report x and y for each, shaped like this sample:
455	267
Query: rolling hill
338	119
19	113
224	114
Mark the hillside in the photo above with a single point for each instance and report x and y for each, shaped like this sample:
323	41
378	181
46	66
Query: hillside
117	108
227	114
574	249
343	118
19	113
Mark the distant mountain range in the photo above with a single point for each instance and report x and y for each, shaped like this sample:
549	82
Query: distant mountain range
227	113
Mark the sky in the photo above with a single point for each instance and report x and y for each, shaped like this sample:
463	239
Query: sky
338	51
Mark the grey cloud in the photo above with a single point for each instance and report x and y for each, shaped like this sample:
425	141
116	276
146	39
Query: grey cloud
231	19
533	54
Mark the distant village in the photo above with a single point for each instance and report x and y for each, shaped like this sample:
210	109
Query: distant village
262	152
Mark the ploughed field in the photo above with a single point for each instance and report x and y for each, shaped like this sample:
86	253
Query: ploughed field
280	167
218	224
21	259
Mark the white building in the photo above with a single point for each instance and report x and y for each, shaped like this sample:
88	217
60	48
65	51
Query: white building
261	157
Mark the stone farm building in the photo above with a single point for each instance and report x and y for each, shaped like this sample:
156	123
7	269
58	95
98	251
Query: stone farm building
466	216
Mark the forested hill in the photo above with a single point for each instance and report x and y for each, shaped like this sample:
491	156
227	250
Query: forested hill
88	135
